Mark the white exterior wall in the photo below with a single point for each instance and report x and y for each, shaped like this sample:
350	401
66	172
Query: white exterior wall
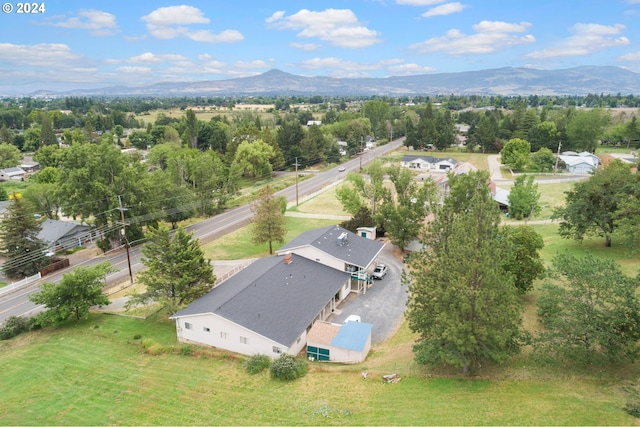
255	343
313	254
445	164
343	355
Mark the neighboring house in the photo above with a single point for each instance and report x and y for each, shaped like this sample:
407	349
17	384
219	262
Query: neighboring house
342	145
348	343
314	123
12	174
428	163
267	308
500	195
580	164
61	235
30	167
340	249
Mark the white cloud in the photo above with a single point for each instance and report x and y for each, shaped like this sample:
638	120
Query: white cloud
490	36
633	56
419	2
308	47
173	22
340	27
585	39
39	55
176	15
409	69
99	23
445	9
134	70
338	67
149	57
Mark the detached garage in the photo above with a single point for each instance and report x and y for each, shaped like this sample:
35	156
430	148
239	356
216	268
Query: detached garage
330	342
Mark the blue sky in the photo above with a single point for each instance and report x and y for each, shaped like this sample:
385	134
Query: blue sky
90	43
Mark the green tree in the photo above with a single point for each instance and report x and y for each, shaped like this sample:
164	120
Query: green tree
177	271
75	294
359	191
591	205
402	215
10	156
523	260
584	130
268	223
192	128
524	198
590	309
254	159
515	153
377	112
542	160
47	134
43	198
463	303
20	243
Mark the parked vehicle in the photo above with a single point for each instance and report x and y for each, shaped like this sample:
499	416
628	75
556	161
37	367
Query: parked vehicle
352	318
380	271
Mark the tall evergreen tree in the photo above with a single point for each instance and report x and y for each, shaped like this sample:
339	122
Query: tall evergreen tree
177	271
463	303
20	243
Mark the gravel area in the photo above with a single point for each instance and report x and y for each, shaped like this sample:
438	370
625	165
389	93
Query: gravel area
383	304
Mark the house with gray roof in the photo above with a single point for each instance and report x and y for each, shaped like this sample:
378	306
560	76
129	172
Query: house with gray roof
340	249
12	174
60	235
429	163
266	308
580	163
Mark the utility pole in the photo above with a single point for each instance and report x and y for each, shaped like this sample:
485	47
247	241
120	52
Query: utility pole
296	181
555	169
126	241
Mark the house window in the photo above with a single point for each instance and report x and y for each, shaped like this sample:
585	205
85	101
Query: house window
244	340
277	350
206	329
188	325
224	335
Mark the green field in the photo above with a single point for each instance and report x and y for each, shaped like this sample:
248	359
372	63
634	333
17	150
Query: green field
96	373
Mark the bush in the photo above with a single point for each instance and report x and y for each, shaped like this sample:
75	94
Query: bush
288	368
13	326
257	363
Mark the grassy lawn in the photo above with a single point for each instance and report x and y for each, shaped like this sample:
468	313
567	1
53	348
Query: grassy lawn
238	245
97	373
324	203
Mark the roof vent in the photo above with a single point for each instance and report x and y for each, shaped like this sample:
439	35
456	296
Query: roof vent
342	239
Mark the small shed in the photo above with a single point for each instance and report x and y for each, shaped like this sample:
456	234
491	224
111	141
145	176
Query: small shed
348	343
367	232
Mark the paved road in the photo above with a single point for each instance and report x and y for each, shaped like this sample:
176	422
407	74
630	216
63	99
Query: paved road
17	303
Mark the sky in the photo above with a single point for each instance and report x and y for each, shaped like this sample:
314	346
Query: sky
71	44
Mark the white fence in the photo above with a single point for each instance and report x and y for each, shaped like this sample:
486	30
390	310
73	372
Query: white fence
15	285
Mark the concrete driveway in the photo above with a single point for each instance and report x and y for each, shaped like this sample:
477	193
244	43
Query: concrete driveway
383	305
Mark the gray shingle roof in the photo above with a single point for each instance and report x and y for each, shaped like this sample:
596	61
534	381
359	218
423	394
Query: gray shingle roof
433	160
356	251
272	298
53	230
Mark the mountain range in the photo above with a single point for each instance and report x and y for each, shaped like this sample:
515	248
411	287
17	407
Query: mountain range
500	81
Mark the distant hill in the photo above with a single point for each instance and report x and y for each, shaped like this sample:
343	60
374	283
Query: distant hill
500	81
